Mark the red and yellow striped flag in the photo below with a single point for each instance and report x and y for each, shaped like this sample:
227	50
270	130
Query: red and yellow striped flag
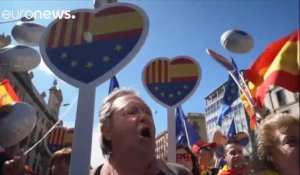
7	93
277	65
247	106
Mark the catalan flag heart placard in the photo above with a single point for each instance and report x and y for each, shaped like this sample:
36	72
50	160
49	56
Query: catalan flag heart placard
93	45
171	81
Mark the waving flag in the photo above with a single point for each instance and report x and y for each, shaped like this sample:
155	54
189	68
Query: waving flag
277	65
7	93
230	95
185	133
59	138
113	84
231	132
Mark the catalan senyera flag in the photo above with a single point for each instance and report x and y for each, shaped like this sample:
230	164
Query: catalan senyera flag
59	138
277	65
7	93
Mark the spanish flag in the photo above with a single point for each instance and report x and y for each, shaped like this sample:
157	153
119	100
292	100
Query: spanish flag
277	65
7	93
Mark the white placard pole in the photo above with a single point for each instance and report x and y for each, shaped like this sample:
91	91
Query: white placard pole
82	141
171	135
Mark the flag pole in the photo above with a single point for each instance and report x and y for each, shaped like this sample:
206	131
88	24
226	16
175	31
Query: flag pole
257	114
187	134
245	84
229	66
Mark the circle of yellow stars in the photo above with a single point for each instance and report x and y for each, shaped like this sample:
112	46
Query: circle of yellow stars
89	64
171	95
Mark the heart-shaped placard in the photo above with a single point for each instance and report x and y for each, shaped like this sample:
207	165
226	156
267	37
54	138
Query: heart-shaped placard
60	137
171	81
96	44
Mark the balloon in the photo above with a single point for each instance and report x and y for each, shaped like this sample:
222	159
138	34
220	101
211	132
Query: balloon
19	58
101	3
28	33
237	41
16	122
242	137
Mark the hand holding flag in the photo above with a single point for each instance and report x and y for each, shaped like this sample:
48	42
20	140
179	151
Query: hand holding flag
232	69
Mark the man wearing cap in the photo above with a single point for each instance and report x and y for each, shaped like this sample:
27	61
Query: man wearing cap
205	154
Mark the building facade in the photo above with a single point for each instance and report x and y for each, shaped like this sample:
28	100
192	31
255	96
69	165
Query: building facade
161	148
212	109
47	116
277	100
280	100
197	120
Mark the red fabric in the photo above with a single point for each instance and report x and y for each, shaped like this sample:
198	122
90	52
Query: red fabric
7	92
257	71
201	144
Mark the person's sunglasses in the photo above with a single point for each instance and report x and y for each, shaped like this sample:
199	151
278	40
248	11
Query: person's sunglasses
186	157
208	148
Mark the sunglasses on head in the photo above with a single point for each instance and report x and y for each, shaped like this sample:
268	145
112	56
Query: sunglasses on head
186	157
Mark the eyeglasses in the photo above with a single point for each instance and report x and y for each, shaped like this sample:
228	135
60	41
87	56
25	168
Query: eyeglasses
186	157
208	148
135	111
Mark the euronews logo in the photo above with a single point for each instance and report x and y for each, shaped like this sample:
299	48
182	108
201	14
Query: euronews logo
36	14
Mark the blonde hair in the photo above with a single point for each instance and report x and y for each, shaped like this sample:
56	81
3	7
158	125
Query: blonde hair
64	153
107	109
267	129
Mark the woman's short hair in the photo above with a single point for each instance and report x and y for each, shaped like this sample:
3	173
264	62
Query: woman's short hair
105	115
63	154
266	131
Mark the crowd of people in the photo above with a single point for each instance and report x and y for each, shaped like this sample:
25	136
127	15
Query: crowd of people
128	144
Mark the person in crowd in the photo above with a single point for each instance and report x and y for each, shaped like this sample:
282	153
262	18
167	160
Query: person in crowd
278	145
60	162
185	157
128	138
205	154
236	164
219	157
4	156
15	165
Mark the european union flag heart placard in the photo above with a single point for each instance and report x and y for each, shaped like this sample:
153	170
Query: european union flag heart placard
96	44
171	81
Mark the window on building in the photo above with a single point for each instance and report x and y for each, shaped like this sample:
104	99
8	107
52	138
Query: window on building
281	98
296	95
195	125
